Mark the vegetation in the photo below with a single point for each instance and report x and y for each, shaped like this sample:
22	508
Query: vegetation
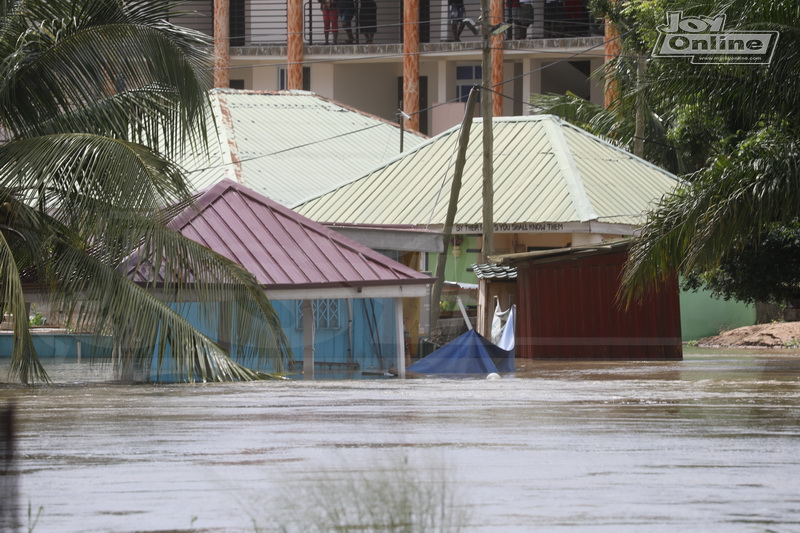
393	496
732	130
750	274
97	97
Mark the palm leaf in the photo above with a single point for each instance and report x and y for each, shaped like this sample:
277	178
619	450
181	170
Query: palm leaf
66	56
25	364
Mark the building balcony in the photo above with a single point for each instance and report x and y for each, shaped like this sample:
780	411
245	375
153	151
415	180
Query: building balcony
259	27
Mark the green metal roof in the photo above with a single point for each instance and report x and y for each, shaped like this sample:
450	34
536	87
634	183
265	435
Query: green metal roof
291	145
546	171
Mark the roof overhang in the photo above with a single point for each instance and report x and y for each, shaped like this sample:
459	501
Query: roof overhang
389	238
384	291
561	254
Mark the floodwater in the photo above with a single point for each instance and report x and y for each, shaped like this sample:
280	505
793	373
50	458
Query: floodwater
710	443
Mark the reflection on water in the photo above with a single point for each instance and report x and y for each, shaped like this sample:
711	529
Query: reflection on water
706	444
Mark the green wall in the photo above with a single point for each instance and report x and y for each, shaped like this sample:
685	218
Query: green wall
702	315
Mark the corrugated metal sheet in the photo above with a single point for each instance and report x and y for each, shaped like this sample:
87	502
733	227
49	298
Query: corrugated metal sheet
292	146
545	171
281	248
566	309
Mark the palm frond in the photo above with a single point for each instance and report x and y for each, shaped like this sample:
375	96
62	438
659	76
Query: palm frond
737	196
87	178
25	364
103	297
59	63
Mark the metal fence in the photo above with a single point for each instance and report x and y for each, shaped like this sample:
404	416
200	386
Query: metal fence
264	22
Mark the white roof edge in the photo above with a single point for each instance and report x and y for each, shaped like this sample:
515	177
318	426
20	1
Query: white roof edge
617	148
227	142
570	173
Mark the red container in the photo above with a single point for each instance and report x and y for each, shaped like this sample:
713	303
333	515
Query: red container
567	309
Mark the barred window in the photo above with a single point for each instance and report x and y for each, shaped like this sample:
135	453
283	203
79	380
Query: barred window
326	314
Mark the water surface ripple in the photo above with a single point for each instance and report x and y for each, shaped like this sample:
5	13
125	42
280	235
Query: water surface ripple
706	444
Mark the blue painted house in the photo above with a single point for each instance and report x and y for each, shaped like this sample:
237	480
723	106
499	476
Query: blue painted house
339	302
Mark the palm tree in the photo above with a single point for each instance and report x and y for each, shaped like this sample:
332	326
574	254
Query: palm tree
96	98
751	180
732	130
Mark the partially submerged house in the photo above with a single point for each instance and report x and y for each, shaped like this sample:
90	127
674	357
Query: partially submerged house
340	303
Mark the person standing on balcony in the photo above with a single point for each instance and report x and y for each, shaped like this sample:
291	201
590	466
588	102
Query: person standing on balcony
553	17
368	19
525	18
347	10
512	14
457	14
330	22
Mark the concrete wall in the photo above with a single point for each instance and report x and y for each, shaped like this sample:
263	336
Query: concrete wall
702	315
371	88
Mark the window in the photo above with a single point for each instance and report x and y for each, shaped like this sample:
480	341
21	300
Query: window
466	77
306	79
236	84
326	314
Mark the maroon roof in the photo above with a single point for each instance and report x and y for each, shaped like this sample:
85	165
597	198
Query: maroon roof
284	249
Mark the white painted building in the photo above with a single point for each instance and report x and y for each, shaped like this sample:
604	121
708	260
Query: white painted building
560	49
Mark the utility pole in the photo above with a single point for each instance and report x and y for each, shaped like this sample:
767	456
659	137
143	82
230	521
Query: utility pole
455	191
222	42
488	138
638	136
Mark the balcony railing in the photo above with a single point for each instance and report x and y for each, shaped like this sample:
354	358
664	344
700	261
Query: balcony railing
264	22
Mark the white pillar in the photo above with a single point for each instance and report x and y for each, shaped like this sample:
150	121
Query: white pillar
531	83
442	81
401	345
308	339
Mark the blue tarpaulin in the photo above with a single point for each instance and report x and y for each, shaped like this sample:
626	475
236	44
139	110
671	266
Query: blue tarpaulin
468	354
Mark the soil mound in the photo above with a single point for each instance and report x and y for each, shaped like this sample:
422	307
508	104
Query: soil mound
775	335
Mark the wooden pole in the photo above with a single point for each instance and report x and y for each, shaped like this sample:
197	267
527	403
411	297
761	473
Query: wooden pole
452	208
613	47
222	44
496	12
294	78
639	132
486	111
411	62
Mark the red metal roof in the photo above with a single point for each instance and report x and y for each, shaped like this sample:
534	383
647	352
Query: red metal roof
284	249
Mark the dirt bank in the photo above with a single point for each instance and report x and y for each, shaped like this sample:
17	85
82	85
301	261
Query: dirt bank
775	335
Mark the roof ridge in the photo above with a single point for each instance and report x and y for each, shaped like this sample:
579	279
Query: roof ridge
570	173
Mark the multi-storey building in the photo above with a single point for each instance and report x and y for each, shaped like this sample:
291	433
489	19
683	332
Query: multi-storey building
405	54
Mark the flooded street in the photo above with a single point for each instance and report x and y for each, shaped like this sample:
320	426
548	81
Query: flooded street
711	443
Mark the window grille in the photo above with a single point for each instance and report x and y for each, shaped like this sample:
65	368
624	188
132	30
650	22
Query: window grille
326	314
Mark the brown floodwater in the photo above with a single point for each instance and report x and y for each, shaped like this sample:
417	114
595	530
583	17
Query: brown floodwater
711	443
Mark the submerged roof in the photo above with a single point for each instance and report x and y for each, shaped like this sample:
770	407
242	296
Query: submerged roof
284	250
545	171
291	145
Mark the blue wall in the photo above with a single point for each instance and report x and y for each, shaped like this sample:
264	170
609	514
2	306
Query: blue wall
364	334
371	338
57	346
